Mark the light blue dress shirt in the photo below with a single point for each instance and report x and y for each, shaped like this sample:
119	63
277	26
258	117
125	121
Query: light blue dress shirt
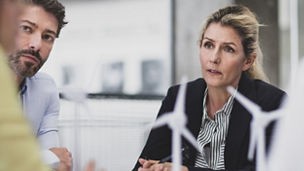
40	99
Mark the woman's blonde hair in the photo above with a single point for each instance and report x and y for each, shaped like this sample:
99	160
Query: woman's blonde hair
245	23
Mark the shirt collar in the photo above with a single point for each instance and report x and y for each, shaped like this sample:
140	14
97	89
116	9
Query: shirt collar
205	116
224	109
24	88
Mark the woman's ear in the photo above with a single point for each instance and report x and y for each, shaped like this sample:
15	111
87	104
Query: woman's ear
249	61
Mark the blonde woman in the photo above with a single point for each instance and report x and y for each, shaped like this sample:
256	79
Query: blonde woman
229	56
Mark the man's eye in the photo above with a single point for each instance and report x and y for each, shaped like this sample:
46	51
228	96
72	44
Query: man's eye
26	28
48	37
229	49
208	45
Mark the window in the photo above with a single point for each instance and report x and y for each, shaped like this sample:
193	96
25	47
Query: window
115	47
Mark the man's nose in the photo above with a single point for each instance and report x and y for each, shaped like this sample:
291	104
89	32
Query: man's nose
35	42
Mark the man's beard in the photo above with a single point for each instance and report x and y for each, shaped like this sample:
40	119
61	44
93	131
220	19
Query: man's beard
24	68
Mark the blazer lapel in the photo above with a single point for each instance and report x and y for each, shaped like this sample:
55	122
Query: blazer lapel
194	105
194	111
239	125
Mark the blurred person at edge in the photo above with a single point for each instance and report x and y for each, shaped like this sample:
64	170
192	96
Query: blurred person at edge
229	56
38	26
18	147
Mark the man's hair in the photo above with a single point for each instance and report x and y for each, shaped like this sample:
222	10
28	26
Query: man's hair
54	7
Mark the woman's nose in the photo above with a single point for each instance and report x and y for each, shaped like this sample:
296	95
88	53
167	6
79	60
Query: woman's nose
215	57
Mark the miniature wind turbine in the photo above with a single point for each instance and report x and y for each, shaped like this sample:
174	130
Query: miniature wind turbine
78	97
288	143
177	120
260	120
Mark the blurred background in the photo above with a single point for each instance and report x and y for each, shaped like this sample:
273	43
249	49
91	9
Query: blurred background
124	54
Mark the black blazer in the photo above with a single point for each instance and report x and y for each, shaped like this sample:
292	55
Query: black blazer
265	95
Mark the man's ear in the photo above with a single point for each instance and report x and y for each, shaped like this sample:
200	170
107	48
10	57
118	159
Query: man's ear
249	61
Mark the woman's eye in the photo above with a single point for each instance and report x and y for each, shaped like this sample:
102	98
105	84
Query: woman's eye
25	28
208	45
229	49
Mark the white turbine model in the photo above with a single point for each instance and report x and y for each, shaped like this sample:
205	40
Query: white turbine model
77	94
177	120
78	97
260	120
288	140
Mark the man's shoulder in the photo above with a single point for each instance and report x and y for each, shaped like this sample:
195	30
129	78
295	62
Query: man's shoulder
41	75
41	79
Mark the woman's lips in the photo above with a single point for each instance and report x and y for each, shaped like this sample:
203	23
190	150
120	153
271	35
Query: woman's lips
213	72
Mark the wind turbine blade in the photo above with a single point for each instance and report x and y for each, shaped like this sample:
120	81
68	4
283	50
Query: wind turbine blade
276	114
162	120
74	94
249	105
187	134
253	141
180	99
176	150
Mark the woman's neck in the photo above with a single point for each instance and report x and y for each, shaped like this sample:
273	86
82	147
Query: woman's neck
216	99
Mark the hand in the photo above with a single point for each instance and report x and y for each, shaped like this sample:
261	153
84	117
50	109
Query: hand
147	163
154	165
65	158
91	166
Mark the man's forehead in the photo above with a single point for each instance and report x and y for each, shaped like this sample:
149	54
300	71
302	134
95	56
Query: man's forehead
39	17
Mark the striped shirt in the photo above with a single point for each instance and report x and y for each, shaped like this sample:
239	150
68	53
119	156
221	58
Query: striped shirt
212	136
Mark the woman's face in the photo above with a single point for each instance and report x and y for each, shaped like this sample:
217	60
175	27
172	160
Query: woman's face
222	56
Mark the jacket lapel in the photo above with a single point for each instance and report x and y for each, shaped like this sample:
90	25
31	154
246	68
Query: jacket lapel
194	105
194	111
239	126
